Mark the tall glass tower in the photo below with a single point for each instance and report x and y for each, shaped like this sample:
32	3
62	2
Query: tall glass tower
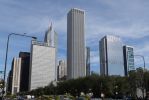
75	44
128	59
111	56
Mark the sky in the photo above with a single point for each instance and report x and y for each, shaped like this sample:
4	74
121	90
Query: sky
128	19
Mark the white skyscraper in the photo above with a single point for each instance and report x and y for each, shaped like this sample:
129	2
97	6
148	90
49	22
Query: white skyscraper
76	63
16	68
51	39
42	65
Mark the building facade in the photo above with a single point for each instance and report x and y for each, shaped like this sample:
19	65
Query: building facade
111	56
76	62
128	59
16	69
24	75
42	65
87	61
62	70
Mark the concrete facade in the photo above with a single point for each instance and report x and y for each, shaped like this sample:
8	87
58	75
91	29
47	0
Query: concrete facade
76	62
42	65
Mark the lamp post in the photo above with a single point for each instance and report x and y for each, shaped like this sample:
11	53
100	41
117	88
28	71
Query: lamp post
143	72
142	59
7	53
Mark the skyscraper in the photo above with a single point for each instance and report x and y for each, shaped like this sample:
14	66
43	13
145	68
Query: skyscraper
128	59
51	39
75	44
42	65
87	61
16	68
111	56
62	70
24	75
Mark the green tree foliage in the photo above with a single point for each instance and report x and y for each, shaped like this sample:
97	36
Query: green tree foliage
111	86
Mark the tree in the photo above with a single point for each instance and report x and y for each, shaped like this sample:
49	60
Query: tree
111	86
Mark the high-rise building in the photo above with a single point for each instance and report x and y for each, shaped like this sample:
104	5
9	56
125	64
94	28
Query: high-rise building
111	56
42	65
15	81
128	59
62	70
76	62
87	61
24	75
51	39
18	77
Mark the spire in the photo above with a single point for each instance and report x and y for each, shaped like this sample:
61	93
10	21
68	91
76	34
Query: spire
48	35
50	27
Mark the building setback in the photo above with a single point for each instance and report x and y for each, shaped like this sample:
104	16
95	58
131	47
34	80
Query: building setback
76	62
111	56
24	76
128	59
42	65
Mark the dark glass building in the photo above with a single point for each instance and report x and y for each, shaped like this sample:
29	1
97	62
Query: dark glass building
111	56
9	82
128	59
24	75
87	61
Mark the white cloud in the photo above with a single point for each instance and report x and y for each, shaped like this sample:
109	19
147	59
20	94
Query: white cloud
123	18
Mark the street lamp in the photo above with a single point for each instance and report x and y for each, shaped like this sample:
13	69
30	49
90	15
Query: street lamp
7	52
143	60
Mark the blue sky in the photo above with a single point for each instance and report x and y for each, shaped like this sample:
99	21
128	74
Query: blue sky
128	19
